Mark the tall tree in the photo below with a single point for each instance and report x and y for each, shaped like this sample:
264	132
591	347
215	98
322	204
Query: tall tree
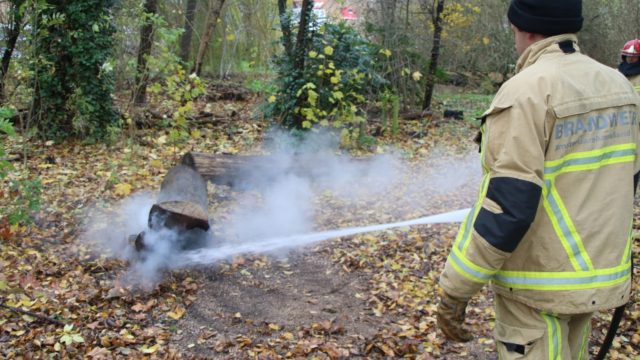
144	51
285	26
185	40
303	37
16	16
72	42
435	54
215	9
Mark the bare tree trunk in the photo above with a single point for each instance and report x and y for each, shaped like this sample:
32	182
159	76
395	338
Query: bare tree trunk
209	27
185	40
435	54
12	38
146	41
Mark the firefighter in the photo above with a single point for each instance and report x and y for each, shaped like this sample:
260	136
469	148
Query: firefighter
630	65
551	227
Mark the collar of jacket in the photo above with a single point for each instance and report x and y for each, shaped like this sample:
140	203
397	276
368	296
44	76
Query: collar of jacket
542	47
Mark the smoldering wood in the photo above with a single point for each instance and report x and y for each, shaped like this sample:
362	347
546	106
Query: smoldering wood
181	206
251	171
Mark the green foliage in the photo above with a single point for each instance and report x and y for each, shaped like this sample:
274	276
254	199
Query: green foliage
178	91
331	90
390	106
71	74
24	191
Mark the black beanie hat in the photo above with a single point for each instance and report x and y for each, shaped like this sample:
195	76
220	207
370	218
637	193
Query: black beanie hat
546	17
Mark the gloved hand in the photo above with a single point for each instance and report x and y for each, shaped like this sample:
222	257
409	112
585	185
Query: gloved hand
450	316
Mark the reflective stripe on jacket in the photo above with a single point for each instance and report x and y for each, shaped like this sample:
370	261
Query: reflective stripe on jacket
552	225
635	80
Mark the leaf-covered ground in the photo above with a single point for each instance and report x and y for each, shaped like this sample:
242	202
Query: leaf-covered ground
365	296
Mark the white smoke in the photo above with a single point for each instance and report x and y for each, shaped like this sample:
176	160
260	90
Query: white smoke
281	196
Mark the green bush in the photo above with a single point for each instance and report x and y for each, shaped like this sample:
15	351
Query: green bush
72	77
333	88
24	190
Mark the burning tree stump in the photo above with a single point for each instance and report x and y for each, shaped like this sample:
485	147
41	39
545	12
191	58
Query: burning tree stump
181	206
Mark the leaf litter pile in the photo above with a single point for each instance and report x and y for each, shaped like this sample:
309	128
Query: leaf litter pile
371	295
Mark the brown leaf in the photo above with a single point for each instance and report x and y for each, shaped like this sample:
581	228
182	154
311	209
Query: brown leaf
99	353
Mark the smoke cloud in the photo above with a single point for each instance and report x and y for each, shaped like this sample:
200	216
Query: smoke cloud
287	193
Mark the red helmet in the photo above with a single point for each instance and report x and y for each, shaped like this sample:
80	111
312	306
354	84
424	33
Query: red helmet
631	48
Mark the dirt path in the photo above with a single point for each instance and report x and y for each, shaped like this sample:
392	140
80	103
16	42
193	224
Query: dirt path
304	299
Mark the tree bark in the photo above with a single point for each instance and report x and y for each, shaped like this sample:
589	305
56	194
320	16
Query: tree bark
285	26
146	42
181	206
185	40
209	26
302	37
435	54
11	39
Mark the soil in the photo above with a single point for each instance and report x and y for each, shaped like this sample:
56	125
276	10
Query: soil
305	288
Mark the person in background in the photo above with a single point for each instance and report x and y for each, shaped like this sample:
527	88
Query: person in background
551	229
630	65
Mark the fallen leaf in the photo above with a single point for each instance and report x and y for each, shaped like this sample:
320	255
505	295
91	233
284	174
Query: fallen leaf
177	313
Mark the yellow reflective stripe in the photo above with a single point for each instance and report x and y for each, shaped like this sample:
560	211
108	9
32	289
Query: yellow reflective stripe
585	341
637	87
483	148
554	336
468	269
554	206
626	256
553	167
463	239
565	229
563	280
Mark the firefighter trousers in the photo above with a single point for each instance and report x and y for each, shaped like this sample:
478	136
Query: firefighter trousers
522	332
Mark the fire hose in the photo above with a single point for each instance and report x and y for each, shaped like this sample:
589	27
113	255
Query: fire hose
182	203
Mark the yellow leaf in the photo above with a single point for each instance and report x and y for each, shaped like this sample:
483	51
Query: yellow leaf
274	327
156	163
486	40
122	189
288	336
196	134
177	313
161	140
328	50
417	75
149	350
313	54
272	99
385	52
231	37
334	80
307	125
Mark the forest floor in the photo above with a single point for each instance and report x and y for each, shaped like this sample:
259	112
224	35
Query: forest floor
67	291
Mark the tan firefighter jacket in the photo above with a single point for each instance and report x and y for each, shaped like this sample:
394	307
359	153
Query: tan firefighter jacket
552	224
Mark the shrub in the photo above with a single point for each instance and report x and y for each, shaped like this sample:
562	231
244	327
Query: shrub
333	87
